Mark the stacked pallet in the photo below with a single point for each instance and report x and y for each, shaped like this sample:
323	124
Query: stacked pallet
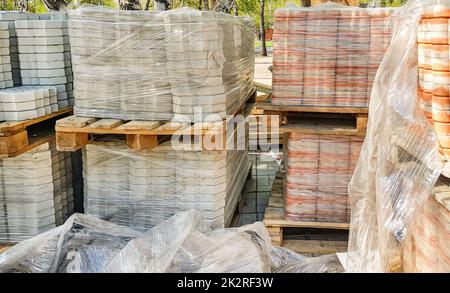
187	64
141	190
319	169
42	48
426	248
36	193
327	56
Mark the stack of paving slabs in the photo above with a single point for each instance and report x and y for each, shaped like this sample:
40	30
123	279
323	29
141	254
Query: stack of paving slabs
319	168
425	250
119	64
139	65
36	192
327	55
67	54
5	61
434	71
10	17
27	102
141	190
210	62
42	54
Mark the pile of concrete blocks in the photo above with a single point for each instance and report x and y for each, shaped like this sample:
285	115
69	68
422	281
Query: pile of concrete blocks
5	61
141	190
184	63
41	54
10	17
119	64
209	62
27	102
37	192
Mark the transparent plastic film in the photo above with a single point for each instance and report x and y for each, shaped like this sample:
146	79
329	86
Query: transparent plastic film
142	65
181	244
328	55
399	162
38	191
141	189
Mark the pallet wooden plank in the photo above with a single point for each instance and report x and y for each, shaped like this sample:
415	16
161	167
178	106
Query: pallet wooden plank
140	125
299	224
4	247
288	108
32	143
276	202
106	123
70	141
264	88
142	142
273	214
10	127
323	127
75	122
14	143
315	246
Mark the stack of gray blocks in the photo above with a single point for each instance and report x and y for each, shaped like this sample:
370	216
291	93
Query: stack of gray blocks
142	190
27	102
36	193
42	55
5	61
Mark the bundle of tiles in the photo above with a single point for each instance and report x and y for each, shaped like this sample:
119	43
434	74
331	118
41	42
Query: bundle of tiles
142	190
210	62
9	17
36	193
328	55
426	249
27	102
5	61
319	168
434	71
139	65
43	61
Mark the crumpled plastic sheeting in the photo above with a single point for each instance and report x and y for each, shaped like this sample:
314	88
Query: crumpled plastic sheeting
182	243
399	162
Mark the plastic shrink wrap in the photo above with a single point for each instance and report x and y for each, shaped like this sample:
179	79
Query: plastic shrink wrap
426	248
142	65
400	162
36	192
328	55
140	190
182	243
319	168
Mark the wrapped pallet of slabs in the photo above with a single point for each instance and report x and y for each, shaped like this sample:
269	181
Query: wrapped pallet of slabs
181	244
140	190
35	193
400	162
144	66
42	48
210	61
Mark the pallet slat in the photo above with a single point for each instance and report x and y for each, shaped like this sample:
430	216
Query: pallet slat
268	106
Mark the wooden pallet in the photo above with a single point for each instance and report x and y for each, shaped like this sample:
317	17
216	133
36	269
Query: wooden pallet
276	224
73	133
21	136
